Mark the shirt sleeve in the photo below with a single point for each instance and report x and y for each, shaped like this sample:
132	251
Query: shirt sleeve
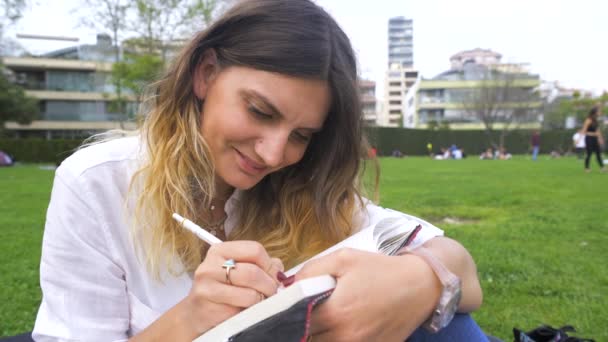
84	294
371	214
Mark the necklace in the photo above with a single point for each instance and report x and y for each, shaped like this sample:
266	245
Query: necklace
217	226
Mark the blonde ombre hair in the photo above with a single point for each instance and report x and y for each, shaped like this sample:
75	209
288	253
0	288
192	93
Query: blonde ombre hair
295	212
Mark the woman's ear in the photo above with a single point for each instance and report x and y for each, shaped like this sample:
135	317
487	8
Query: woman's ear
204	74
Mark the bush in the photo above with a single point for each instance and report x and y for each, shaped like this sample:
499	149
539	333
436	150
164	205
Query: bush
414	141
39	150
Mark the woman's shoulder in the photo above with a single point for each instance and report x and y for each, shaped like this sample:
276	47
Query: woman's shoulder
113	153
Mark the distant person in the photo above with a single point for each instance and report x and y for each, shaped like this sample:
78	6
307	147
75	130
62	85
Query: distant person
578	140
487	155
5	159
535	143
503	154
457	153
593	138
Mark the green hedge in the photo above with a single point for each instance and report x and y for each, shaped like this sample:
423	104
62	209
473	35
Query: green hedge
39	150
386	140
414	141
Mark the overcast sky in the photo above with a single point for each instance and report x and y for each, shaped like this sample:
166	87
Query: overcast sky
561	40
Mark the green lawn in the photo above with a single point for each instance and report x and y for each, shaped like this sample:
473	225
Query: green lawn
538	232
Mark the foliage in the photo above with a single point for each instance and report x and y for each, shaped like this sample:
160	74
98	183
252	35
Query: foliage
39	150
106	14
15	105
160	23
135	72
577	107
538	252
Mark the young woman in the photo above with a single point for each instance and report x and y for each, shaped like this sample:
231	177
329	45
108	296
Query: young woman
593	138
254	133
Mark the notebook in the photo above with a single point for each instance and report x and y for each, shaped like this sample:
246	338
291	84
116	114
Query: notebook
287	313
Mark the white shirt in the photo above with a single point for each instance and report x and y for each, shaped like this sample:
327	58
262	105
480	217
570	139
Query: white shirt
579	140
93	284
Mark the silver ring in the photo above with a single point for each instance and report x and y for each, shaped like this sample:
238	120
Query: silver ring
228	265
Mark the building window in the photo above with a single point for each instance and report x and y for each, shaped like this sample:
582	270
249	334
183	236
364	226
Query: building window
394	111
409	84
411	74
394	93
394	102
395	84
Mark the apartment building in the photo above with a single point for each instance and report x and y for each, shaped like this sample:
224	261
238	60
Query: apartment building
74	90
446	97
367	89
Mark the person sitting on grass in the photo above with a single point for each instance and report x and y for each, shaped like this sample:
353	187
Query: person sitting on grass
256	133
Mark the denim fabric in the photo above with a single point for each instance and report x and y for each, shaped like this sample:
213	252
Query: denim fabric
462	329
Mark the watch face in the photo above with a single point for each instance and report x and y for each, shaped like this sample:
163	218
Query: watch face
449	308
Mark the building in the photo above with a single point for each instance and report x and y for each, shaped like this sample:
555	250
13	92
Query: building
367	90
477	76
400	42
477	56
401	75
74	89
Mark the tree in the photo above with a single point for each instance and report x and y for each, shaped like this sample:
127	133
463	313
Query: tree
135	72
502	98
15	105
160	24
11	12
576	107
102	15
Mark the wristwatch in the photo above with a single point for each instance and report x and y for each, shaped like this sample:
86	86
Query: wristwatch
450	294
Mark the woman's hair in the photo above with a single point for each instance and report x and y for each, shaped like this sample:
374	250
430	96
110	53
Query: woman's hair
594	112
294	212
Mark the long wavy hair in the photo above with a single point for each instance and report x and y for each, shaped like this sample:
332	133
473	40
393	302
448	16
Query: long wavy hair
294	212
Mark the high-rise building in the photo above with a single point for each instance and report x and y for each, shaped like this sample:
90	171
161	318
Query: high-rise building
400	42
401	75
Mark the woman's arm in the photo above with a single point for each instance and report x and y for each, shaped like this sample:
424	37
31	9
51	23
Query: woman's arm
458	260
385	298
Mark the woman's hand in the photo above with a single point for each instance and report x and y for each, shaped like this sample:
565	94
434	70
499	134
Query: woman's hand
213	299
377	297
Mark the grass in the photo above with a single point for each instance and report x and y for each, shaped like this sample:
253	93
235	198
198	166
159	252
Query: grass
538	232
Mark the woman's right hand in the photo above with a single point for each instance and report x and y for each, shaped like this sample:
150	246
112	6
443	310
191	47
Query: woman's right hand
212	299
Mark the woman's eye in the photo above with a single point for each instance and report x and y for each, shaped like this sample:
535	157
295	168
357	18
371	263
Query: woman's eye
301	137
260	114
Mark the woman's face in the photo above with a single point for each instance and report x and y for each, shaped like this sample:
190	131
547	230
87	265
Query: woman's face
258	122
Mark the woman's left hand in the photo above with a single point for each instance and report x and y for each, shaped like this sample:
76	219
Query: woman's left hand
377	297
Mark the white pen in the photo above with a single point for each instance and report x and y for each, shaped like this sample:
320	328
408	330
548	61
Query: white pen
196	229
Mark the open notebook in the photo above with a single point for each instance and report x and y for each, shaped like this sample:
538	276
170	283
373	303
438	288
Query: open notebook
287	312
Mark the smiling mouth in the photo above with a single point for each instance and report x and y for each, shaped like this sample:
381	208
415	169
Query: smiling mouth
250	166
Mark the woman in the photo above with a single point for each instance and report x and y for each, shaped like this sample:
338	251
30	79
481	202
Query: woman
593	138
255	134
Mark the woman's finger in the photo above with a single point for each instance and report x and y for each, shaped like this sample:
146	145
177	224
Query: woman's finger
246	275
234	296
247	251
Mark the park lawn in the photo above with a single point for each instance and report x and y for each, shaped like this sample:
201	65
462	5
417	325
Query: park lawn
538	232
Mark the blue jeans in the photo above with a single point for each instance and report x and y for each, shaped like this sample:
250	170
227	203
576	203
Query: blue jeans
462	329
535	152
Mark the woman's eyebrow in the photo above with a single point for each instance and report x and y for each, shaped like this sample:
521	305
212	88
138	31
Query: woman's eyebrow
254	94
248	94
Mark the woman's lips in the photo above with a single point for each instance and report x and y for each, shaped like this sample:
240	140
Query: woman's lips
249	165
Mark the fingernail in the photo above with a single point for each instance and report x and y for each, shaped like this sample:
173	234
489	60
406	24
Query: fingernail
289	280
281	276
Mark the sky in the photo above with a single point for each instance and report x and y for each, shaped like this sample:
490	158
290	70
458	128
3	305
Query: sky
561	40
